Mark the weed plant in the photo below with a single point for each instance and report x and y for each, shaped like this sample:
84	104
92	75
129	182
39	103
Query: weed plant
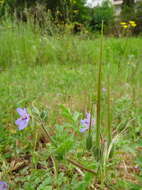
55	78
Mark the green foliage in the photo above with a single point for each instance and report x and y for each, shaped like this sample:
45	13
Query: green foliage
128	3
64	142
126	13
80	13
89	142
138	13
59	73
62	11
104	12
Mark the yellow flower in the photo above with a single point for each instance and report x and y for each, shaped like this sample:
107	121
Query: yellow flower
123	23
132	22
125	26
133	25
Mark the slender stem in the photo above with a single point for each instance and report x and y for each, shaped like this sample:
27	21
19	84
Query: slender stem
109	112
36	138
90	124
55	166
81	166
134	94
98	122
47	134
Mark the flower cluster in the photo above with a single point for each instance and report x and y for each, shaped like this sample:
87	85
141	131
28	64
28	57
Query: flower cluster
129	24
24	119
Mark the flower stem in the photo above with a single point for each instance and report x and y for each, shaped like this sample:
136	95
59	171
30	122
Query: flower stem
109	129
48	135
81	166
98	117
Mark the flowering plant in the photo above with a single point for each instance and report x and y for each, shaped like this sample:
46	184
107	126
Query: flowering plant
87	122
23	121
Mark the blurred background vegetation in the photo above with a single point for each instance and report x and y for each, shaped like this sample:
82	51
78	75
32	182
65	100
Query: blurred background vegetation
73	15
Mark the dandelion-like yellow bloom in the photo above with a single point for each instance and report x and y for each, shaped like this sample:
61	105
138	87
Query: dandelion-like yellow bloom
125	26
132	22
133	25
123	23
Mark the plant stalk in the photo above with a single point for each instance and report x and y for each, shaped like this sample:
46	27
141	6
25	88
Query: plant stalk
109	128
98	116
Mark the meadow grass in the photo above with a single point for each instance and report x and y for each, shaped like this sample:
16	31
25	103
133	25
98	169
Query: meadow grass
59	74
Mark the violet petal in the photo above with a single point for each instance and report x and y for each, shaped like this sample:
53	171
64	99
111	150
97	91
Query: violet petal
21	111
23	124
88	116
3	185
82	130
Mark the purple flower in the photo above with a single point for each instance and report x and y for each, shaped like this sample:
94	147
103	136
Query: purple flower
22	122
3	185
86	122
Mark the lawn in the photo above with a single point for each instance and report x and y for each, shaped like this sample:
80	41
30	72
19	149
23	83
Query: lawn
55	78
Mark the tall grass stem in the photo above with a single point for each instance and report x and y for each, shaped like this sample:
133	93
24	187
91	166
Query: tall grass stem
98	117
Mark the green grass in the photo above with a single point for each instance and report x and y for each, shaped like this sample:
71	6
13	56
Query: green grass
48	72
